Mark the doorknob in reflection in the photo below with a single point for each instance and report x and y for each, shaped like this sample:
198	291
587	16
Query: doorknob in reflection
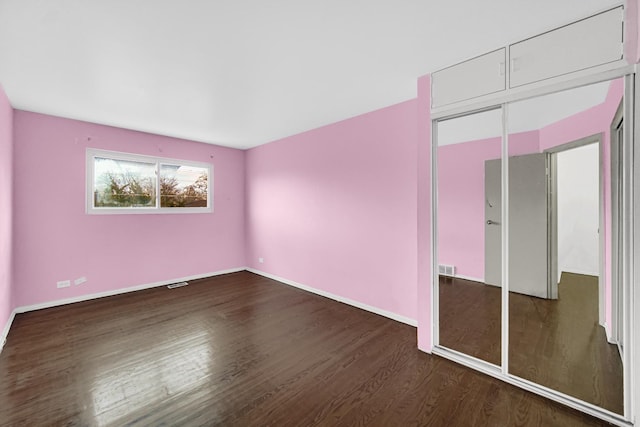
489	222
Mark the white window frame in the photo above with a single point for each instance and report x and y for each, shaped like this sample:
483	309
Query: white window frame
92	153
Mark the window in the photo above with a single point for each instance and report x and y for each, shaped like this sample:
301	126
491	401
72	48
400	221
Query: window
130	183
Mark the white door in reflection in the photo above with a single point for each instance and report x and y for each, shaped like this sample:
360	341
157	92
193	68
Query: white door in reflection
527	224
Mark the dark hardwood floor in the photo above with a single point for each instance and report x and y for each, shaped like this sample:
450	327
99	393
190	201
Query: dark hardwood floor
559	343
556	343
471	318
243	350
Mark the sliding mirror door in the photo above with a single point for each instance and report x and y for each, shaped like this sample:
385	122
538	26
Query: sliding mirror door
469	300
563	185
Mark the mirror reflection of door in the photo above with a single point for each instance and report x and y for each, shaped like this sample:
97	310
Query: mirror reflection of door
528	220
493	222
469	310
559	337
617	323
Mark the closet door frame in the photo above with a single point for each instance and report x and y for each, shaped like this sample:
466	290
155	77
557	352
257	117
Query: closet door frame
630	258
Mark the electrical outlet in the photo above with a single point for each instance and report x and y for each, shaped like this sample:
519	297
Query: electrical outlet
79	280
64	284
260	260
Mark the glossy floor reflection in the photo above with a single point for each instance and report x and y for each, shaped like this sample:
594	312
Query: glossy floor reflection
242	350
555	343
559	343
471	318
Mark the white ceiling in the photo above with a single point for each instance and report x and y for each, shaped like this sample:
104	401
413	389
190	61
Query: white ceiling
241	73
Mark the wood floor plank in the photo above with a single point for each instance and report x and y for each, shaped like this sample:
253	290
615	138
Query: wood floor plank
243	350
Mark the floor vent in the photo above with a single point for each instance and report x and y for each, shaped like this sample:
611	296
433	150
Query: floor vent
177	285
447	270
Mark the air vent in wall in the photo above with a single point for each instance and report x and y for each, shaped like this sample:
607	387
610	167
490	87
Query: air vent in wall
447	270
177	285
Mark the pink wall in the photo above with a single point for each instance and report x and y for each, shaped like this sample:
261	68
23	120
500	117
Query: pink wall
55	240
589	122
335	208
461	201
425	263
6	209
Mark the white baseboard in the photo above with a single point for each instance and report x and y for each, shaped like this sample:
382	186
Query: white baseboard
607	331
610	340
49	304
581	272
56	303
5	331
473	279
366	307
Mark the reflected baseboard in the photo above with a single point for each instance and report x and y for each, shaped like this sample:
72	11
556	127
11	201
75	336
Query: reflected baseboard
611	340
473	279
607	330
5	330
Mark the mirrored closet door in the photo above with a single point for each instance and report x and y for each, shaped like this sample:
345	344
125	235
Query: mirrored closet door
560	242
468	221
558	283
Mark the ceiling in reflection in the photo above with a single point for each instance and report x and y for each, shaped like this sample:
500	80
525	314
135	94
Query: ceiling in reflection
528	115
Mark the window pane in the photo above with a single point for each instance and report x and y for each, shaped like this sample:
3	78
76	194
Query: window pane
124	184
183	186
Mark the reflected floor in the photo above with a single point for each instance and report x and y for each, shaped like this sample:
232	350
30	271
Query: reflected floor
556	343
470	318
